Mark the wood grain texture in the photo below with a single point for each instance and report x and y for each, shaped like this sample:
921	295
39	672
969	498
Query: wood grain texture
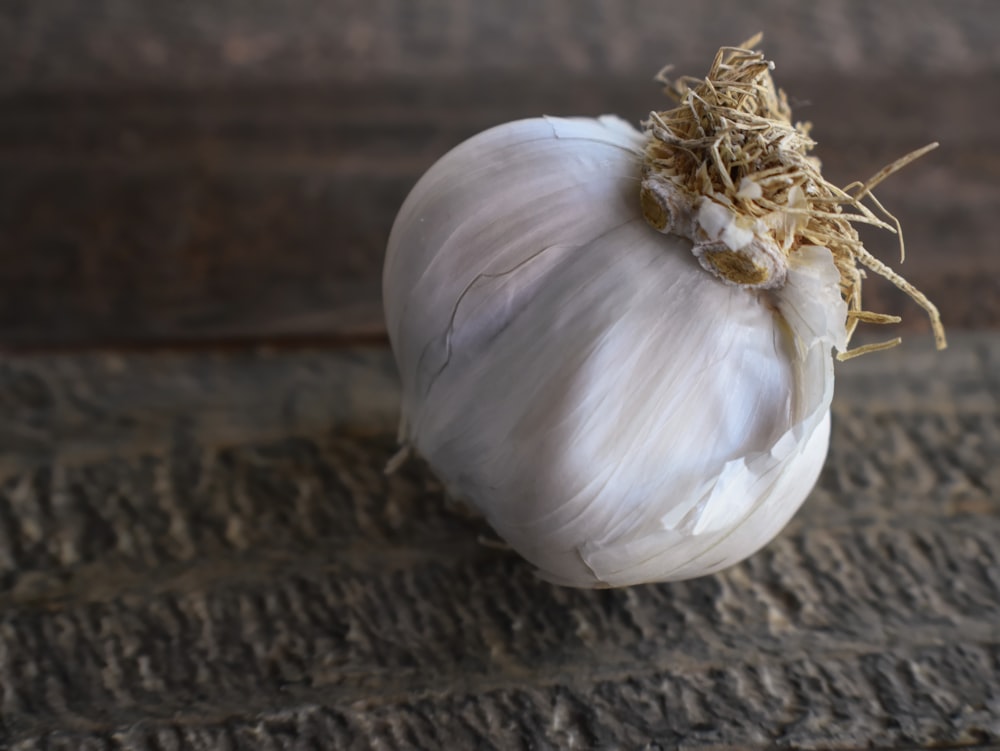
185	172
59	43
201	551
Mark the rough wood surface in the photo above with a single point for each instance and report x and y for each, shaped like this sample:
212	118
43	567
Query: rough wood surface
200	551
179	171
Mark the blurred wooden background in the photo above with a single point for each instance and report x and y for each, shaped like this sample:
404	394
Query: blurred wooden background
191	171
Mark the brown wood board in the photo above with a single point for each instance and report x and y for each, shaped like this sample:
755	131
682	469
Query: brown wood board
176	173
201	551
152	218
105	43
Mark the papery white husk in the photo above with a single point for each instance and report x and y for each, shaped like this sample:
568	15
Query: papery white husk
618	414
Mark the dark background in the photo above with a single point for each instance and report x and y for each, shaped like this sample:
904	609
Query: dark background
180	172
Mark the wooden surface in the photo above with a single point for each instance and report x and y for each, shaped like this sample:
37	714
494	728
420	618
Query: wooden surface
184	171
200	551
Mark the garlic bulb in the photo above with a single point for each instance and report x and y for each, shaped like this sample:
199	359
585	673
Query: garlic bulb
630	380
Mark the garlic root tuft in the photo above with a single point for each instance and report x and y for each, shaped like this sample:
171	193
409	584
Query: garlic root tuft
731	141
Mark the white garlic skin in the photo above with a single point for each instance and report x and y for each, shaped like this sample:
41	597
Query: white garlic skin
617	414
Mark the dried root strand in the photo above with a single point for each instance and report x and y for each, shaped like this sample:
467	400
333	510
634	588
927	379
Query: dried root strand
864	349
734	128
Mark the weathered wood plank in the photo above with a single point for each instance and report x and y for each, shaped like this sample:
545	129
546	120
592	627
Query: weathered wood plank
89	405
151	217
177	173
222	573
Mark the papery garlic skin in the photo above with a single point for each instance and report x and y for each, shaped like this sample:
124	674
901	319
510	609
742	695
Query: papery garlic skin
617	414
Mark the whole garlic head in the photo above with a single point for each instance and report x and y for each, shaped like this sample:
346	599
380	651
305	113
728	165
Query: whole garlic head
618	415
619	351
